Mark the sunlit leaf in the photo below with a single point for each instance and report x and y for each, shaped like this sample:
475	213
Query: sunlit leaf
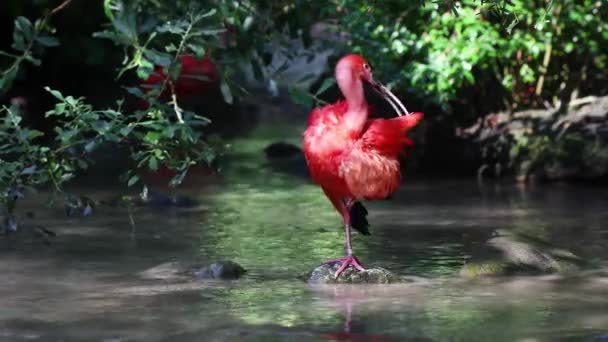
132	180
152	137
327	83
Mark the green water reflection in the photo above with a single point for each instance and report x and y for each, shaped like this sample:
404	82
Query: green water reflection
279	226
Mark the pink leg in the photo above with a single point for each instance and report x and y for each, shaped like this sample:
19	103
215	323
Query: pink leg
349	259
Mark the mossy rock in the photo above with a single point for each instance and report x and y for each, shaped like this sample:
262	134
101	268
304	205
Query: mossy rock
515	254
324	274
477	269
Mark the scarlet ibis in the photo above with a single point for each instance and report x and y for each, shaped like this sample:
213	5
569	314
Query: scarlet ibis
354	158
197	76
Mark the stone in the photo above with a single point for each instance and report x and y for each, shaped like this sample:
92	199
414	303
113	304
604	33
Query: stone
282	150
181	271
166	271
324	274
510	254
219	270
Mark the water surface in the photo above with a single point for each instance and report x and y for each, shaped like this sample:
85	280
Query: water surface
85	284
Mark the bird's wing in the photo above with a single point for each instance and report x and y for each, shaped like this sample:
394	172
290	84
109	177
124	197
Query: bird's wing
388	136
370	168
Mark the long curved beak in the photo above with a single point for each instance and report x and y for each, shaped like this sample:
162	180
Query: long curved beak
389	97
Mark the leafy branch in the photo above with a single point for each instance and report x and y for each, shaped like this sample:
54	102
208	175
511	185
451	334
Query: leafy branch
28	37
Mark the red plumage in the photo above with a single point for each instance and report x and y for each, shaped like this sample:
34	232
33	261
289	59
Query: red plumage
358	165
352	157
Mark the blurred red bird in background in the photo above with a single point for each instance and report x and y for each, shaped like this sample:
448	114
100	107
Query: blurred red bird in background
197	75
352	157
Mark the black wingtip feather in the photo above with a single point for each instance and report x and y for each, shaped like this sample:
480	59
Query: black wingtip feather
358	218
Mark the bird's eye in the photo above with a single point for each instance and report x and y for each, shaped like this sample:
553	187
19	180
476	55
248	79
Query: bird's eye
367	67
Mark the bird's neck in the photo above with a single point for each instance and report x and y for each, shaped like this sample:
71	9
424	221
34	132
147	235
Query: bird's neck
356	114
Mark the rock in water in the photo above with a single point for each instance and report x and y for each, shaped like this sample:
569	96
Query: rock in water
282	150
324	274
509	253
180	271
219	270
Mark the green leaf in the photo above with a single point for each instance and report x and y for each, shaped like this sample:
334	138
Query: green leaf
152	137
22	34
178	27
178	178
55	93
90	146
226	92
70	100
198	50
115	37
136	91
247	23
82	164
469	76
60	108
125	22
101	126
15	118
328	82
107	8
171	48
169	131
33	60
153	163
28	171
158	58
205	15
145	69
125	131
33	134
210	32
134	179
67	176
48	41
300	96
7	79
512	25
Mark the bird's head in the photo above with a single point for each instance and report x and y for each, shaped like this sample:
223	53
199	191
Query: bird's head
352	68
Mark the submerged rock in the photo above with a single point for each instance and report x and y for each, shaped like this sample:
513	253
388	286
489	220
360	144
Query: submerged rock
177	270
166	271
219	270
324	274
510	253
282	150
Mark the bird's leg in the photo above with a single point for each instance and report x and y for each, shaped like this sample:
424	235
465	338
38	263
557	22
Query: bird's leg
349	259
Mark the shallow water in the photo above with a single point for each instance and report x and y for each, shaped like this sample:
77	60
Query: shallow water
84	285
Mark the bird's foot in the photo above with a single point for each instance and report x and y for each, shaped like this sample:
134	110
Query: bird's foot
346	261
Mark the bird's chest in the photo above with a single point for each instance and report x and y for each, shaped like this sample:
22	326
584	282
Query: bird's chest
324	147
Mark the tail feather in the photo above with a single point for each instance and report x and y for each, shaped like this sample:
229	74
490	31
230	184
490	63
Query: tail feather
358	218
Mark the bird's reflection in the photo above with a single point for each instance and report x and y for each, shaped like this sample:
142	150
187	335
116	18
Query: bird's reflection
346	300
352	330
